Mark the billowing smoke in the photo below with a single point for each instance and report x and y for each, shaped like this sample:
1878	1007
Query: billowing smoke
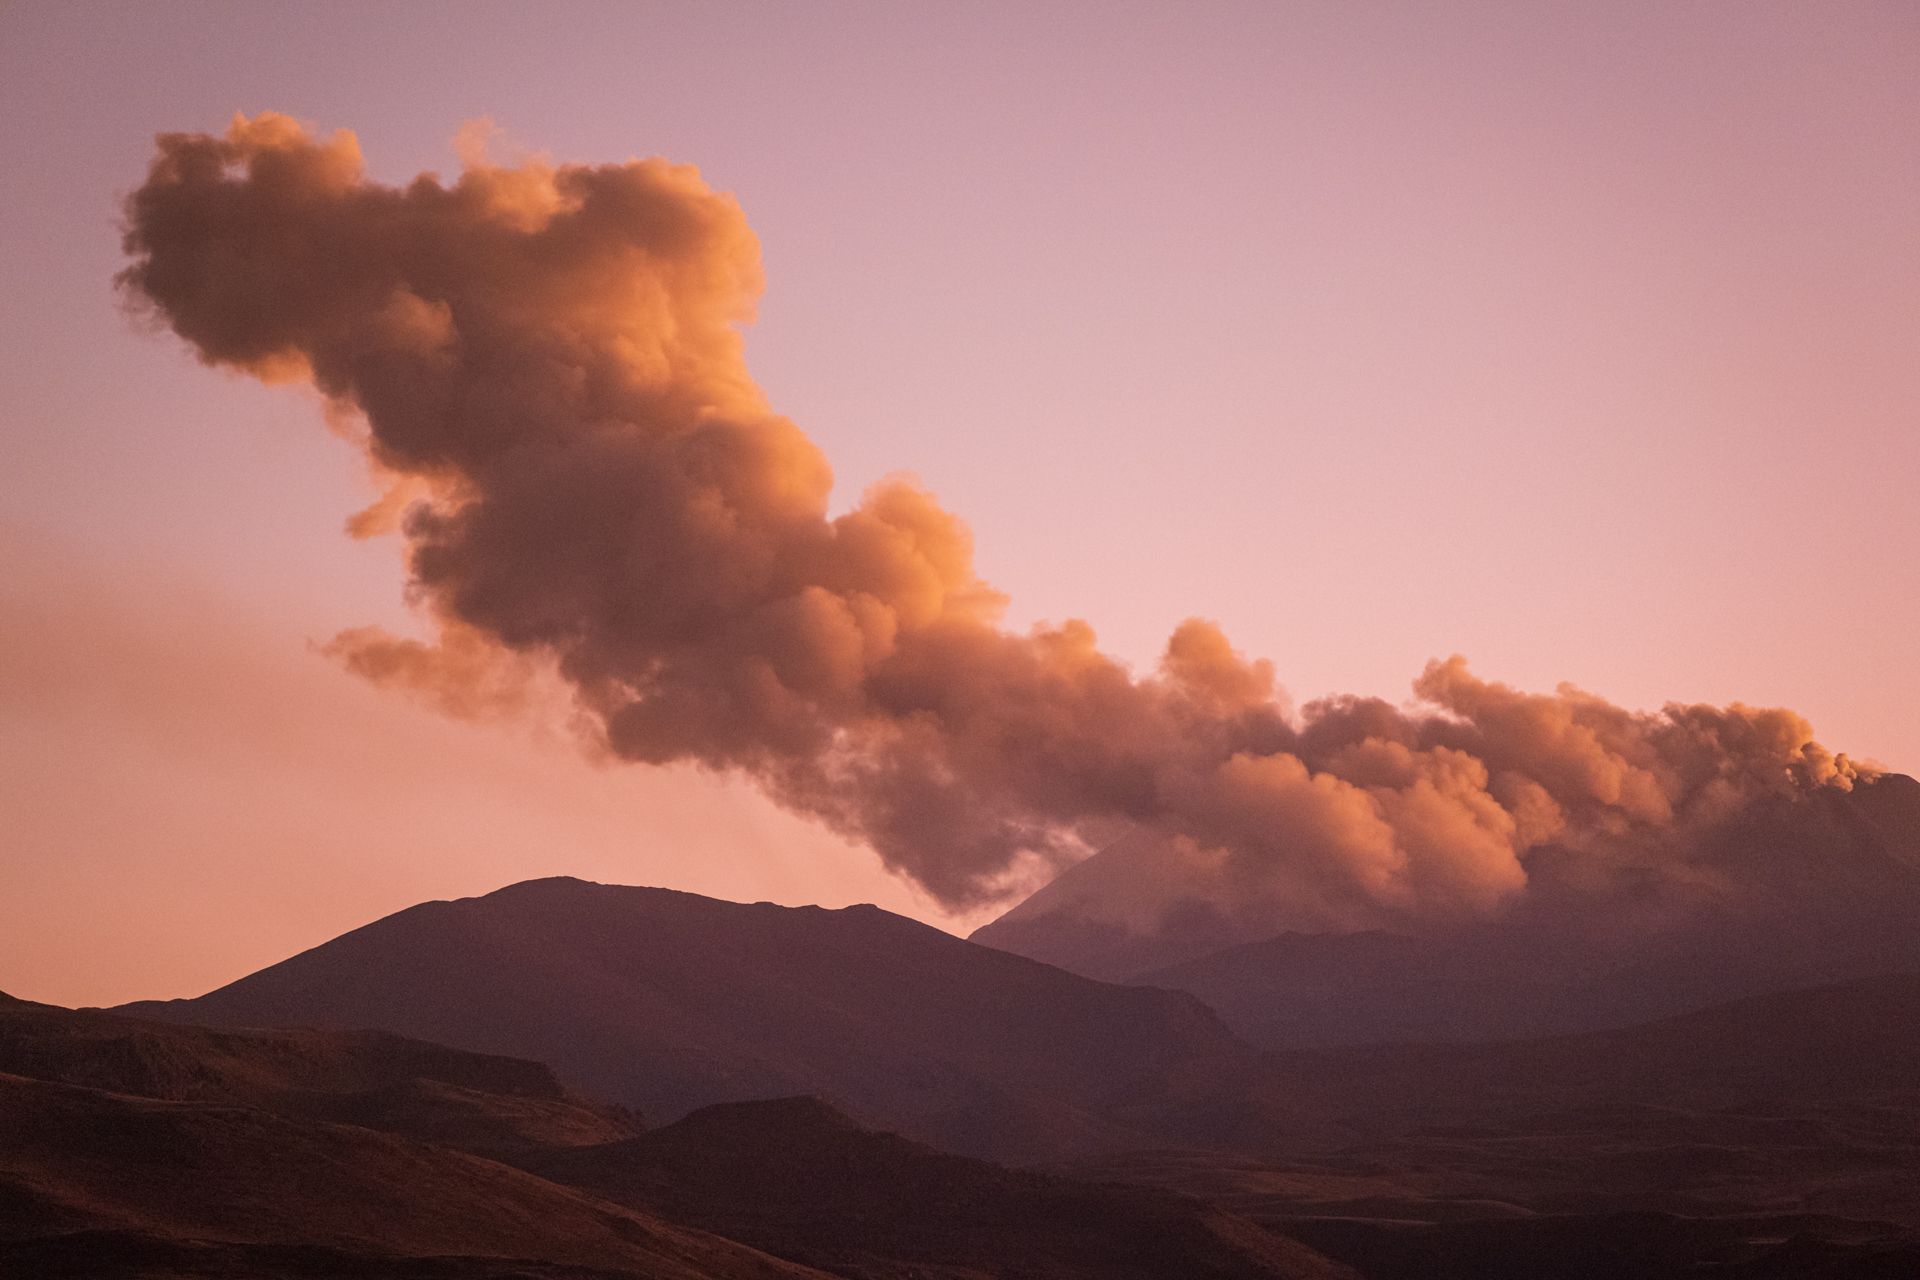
548	366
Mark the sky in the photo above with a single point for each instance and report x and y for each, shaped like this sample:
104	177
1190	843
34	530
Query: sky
1583	340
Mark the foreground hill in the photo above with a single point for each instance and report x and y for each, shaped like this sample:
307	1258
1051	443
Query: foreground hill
101	1184
669	1001
221	1170
1790	893
479	1102
799	1179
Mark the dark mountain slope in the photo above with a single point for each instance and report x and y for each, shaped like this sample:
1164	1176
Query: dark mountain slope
668	1001
375	1079
1805	1102
1309	991
201	1181
1299	990
1823	1045
152	1176
801	1180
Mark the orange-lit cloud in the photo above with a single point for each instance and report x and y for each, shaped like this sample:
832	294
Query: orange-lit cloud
548	356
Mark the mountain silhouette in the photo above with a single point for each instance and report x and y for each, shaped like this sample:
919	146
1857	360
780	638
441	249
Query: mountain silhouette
257	1151
666	1001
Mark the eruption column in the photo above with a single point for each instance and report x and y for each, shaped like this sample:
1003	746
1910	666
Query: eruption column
548	363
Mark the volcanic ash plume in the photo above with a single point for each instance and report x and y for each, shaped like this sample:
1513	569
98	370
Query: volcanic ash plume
548	365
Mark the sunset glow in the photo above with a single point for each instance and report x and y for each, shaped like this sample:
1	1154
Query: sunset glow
1583	347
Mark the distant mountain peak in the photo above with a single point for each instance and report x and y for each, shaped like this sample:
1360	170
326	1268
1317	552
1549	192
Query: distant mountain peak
799	1114
667	1001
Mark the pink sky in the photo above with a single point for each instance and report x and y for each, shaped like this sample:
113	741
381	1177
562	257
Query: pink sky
1584	342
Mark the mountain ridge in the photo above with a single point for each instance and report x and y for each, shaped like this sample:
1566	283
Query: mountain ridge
667	1001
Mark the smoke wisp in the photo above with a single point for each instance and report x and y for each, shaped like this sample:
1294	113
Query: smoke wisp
547	362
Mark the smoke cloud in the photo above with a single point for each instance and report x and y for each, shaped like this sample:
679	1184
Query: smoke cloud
546	361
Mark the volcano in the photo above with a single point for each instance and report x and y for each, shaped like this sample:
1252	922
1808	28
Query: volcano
1791	892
